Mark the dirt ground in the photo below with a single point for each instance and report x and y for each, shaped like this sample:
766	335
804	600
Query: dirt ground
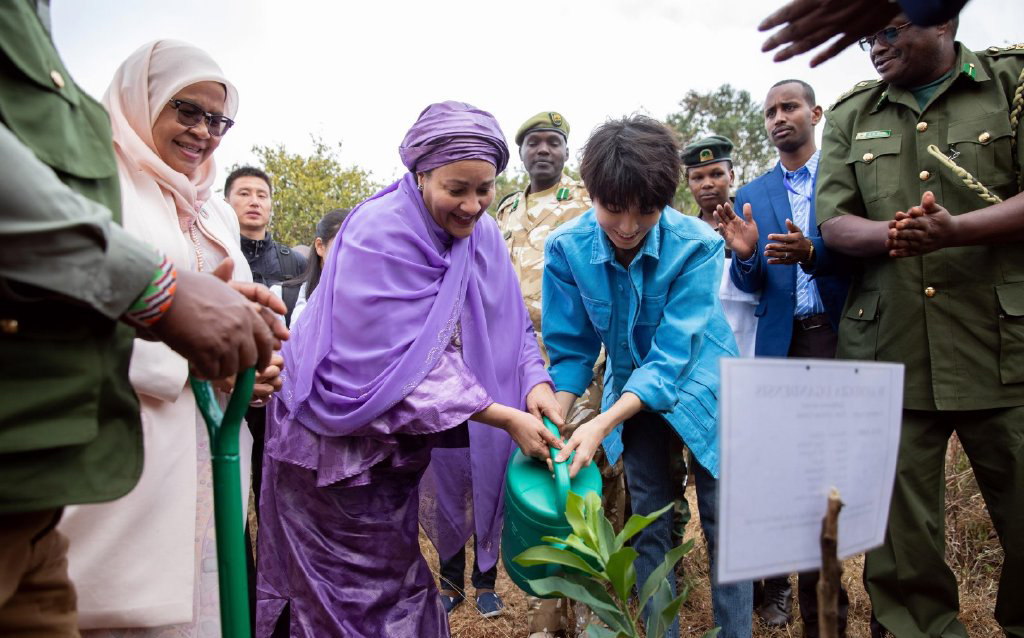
972	551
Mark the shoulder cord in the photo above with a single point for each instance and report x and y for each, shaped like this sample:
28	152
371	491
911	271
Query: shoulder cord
1018	106
964	176
969	180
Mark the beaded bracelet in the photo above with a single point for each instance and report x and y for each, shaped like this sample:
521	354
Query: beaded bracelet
154	301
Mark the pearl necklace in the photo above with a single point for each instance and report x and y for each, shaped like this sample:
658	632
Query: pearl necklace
194	236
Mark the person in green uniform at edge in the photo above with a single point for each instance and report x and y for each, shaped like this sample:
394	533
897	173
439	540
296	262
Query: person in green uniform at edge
526	218
74	291
954	316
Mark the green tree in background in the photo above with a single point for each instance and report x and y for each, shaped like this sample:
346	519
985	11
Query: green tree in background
730	112
306	187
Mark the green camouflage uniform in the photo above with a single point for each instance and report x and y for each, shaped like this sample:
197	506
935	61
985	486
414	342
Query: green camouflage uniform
954	317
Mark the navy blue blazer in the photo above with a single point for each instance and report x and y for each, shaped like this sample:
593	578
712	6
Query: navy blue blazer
769	203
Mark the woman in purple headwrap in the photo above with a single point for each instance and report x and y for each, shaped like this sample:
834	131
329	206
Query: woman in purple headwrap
417	327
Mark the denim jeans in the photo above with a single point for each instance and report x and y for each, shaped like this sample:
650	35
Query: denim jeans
646	444
453	573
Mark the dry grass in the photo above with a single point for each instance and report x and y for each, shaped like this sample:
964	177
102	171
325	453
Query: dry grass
972	551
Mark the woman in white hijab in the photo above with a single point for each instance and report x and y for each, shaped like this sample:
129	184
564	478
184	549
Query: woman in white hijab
145	565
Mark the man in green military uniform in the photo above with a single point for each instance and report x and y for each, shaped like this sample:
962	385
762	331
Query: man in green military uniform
74	291
526	218
954	317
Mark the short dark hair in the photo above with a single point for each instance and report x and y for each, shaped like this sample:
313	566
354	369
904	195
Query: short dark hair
808	91
246	171
632	162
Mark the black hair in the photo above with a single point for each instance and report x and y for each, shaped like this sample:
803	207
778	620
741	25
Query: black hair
632	162
326	229
246	171
808	91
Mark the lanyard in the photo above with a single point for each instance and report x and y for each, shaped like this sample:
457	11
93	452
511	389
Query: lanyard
788	183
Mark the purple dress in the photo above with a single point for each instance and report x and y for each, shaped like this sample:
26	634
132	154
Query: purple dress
361	532
385	365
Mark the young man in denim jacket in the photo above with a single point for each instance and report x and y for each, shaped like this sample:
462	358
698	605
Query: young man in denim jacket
642	279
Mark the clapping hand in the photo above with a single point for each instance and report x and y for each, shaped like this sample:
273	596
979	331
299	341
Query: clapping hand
788	248
920	230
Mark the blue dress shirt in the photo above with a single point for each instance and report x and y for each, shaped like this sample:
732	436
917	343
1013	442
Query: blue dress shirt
660	321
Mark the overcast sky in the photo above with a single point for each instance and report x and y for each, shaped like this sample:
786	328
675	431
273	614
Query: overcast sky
360	72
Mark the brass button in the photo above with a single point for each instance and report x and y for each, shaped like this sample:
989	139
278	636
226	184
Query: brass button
984	137
929	292
860	312
924	176
9	326
922	127
58	79
868	157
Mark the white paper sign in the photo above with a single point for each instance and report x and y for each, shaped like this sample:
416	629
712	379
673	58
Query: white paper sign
792	429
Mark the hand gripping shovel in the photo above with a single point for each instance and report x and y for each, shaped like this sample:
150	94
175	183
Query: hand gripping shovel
227	495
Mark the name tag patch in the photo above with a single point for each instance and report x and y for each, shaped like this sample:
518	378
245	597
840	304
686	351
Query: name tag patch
873	135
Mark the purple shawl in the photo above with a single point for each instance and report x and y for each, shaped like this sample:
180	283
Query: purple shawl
394	287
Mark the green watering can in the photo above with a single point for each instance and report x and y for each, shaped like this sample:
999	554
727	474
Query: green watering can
535	507
227	495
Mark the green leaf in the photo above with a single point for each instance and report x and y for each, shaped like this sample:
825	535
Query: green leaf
661	572
711	633
596	631
575	542
656	624
605	536
593	511
545	555
637	522
671	611
621	572
586	591
574	514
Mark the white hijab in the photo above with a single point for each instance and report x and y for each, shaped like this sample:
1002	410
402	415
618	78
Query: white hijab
159	204
141	87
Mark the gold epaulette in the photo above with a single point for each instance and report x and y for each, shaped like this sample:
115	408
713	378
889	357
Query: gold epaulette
857	88
1009	49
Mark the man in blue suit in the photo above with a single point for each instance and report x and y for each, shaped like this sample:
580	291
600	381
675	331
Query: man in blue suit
779	253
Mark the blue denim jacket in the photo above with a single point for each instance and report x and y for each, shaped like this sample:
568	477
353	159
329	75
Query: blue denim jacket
660	320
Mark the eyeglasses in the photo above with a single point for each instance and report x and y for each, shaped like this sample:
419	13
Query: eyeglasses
190	115
888	35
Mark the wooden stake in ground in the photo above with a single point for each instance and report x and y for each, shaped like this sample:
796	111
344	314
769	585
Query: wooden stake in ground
831	570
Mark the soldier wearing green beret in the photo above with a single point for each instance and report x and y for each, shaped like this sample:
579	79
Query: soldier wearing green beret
526	217
939	135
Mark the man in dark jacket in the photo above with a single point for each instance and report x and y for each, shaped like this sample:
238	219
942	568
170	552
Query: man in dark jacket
249	192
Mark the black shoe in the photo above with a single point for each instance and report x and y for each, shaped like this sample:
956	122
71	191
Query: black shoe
776	609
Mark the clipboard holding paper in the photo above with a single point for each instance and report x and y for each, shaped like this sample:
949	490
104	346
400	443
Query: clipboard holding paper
790	431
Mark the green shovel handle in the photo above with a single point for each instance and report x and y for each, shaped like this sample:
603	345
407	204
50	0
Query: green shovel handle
562	482
223	427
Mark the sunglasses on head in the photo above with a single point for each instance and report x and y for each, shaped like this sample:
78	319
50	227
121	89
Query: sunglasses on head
888	36
190	115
